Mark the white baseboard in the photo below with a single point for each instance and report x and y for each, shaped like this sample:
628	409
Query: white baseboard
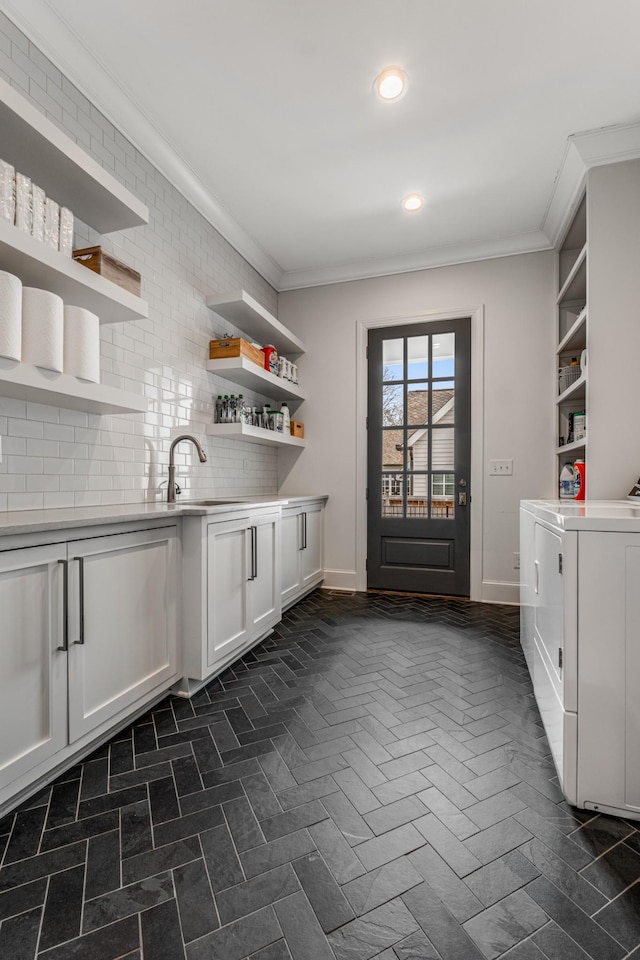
340	580
493	591
500	591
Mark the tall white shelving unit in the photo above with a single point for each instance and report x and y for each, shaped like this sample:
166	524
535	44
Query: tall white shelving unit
598	310
37	148
572	330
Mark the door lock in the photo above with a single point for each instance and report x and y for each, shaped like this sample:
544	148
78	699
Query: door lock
462	483
462	499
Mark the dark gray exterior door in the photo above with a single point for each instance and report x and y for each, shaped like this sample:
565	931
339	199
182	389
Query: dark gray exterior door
419	457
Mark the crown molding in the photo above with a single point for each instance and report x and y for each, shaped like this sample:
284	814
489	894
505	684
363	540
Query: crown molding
444	256
591	148
56	39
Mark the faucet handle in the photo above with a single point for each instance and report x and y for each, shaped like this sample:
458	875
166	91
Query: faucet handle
176	486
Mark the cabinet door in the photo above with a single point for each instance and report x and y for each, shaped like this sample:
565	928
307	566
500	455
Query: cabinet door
265	584
549	605
33	668
609	670
313	552
291	540
123	605
228	545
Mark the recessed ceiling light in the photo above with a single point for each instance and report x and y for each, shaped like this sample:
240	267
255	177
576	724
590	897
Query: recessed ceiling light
391	83
412	202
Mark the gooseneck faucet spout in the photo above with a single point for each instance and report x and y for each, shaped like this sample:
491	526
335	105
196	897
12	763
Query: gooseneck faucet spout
171	489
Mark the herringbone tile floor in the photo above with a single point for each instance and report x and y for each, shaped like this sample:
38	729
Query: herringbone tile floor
371	782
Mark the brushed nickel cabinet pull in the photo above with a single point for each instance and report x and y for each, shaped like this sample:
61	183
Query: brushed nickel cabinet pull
65	606
80	560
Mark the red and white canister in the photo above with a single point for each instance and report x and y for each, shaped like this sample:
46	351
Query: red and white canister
580	482
270	358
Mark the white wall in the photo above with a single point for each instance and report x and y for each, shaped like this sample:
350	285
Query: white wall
517	295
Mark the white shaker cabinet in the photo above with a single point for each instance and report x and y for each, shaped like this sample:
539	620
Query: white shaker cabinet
123	623
265	607
231	577
225	588
33	665
302	549
88	636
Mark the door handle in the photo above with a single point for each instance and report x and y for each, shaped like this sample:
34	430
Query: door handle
301	532
80	639
462	499
536	570
304	529
65	606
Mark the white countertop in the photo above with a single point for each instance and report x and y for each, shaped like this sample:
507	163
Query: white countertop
619	516
14	522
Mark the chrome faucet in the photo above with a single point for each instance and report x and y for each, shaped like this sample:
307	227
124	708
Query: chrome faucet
171	489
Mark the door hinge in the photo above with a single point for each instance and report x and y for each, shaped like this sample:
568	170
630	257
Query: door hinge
366	564
367	352
367	423
367	494
560	657
559	563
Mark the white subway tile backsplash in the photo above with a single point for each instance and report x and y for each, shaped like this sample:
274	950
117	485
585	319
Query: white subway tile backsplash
10	483
25	465
43	483
41	411
25	501
43	448
58	431
58	500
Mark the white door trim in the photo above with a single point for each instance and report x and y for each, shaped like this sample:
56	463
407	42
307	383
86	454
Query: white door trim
477	434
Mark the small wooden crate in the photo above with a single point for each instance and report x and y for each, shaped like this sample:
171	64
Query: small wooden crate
235	347
109	267
297	429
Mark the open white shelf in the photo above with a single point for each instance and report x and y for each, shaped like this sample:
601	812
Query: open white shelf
576	336
37	148
21	381
38	265
575	286
246	373
240	431
240	309
576	390
574	447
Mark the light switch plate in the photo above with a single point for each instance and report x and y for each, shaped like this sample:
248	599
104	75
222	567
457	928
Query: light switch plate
500	468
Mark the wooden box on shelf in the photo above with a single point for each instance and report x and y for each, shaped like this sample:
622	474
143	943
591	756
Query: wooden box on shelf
235	347
108	266
297	429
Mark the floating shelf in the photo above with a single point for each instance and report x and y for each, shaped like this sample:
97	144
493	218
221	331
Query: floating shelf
37	148
38	265
247	374
575	286
240	309
576	336
572	447
21	381
240	431
576	391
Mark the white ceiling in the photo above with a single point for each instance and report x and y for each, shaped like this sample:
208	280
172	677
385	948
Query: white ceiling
262	112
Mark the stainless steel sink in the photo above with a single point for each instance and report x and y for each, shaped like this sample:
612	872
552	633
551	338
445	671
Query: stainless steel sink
209	503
